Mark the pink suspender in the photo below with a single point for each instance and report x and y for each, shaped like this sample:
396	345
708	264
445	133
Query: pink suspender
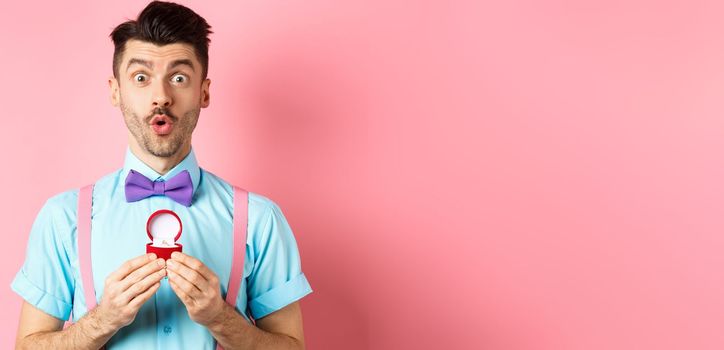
241	203
85	201
240	222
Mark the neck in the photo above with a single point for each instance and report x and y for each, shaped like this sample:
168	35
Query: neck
161	165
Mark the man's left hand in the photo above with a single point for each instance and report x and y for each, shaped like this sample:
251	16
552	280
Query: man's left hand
197	287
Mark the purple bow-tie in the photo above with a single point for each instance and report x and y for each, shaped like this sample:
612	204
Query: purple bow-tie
179	188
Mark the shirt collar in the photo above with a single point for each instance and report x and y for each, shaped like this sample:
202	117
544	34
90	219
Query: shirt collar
189	163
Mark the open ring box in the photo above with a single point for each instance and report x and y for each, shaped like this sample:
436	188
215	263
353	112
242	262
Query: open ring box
164	229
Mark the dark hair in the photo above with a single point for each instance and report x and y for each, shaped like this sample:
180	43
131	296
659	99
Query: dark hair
164	23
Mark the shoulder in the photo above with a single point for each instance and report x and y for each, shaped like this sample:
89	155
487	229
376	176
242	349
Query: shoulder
262	203
56	220
61	209
256	200
261	208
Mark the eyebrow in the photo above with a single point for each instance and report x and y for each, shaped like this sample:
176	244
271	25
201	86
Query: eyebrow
144	63
181	62
149	65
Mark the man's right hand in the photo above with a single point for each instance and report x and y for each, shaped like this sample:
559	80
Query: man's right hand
127	288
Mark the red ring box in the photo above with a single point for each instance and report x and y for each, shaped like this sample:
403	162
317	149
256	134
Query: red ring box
162	251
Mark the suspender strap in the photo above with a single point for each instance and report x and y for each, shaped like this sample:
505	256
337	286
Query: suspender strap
241	205
85	201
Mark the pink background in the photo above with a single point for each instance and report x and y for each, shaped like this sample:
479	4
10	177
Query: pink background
527	175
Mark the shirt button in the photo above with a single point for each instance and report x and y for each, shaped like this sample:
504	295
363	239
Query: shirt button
167	330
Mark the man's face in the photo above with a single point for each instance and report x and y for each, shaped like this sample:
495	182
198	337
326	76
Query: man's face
160	92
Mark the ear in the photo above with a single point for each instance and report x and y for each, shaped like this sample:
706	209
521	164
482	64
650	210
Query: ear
114	89
205	97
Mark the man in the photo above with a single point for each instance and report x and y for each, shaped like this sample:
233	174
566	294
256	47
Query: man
144	302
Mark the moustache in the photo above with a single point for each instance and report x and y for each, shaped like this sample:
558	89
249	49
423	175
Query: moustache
161	111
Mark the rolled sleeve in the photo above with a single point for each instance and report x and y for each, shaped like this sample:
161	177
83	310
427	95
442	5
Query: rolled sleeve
39	298
280	296
276	279
46	279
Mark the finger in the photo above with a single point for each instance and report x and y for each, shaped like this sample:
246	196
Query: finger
193	263
136	302
130	266
185	298
187	287
189	274
141	273
141	286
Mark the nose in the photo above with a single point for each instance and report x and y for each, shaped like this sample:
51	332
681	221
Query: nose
161	95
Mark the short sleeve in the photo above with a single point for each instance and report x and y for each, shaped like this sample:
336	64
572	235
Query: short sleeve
276	279
46	280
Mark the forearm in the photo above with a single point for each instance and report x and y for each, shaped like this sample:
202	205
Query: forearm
88	333
234	332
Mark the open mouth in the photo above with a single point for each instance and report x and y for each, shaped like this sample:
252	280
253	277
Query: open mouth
161	124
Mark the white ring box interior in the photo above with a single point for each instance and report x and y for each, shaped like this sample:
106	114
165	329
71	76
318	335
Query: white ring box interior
164	228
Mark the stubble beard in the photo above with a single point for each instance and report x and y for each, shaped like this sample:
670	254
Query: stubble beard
166	146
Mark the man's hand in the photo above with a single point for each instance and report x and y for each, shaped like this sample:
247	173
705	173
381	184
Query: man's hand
197	287
127	288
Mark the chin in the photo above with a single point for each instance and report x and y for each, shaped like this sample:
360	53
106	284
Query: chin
161	151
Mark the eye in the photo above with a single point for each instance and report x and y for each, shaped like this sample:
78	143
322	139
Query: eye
140	78
179	79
